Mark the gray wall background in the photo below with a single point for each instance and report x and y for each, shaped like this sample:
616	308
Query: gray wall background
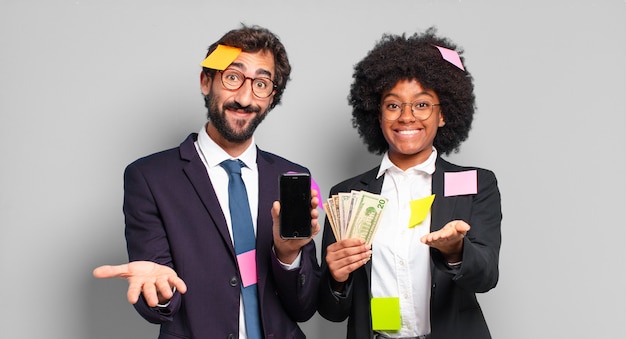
88	86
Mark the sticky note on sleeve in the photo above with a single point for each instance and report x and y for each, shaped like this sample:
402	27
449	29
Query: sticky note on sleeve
221	57
460	183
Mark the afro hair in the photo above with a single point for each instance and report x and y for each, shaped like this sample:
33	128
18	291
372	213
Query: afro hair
398	57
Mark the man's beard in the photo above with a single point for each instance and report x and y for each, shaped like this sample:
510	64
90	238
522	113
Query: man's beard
217	117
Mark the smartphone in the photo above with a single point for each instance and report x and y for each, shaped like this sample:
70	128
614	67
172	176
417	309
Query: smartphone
295	205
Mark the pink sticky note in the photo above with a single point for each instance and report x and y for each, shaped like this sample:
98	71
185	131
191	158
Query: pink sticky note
460	183
451	56
247	267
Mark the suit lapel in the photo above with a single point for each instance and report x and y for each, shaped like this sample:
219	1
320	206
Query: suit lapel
442	207
268	193
197	175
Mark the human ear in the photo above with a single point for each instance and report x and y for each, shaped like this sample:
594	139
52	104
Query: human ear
205	83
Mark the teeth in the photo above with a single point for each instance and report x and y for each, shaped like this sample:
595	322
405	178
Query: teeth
409	132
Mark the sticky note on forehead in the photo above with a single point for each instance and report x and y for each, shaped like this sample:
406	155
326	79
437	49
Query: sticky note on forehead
451	56
221	57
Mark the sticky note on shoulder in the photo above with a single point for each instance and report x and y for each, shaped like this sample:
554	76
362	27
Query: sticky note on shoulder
386	314
460	183
221	57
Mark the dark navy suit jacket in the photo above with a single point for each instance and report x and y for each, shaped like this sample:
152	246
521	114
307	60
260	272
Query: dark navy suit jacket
454	310
173	218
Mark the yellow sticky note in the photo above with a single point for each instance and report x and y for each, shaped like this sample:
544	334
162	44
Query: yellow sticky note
221	57
419	210
386	314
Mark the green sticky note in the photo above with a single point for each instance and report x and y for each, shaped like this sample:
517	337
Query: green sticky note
386	314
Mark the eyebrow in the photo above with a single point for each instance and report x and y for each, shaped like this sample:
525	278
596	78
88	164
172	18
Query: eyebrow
391	94
260	71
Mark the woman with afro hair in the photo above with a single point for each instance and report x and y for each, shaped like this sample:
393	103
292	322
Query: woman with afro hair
413	100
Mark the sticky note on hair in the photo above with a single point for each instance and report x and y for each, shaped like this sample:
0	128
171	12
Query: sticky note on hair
451	56
221	57
460	183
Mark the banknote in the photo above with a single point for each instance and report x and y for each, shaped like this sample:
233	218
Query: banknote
356	214
331	220
344	201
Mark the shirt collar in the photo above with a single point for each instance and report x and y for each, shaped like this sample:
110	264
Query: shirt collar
427	166
213	154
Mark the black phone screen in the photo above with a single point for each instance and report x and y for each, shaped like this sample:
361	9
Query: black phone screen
295	205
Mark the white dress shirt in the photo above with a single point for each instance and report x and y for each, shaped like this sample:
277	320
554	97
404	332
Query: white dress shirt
212	155
400	261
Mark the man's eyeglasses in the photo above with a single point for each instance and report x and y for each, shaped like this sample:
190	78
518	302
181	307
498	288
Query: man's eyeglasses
420	108
233	80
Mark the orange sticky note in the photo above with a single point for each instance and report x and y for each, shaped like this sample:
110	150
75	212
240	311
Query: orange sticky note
386	314
460	183
419	210
221	57
247	267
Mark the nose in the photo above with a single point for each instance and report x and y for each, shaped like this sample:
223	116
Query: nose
404	117
244	95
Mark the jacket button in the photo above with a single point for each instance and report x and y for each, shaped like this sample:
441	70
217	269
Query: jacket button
231	336
234	282
302	279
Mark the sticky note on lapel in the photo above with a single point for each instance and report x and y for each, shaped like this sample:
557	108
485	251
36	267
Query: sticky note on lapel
460	183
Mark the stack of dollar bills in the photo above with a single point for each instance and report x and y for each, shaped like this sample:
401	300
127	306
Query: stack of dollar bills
355	215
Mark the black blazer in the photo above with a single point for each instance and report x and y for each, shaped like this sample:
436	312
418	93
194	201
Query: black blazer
173	218
455	312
